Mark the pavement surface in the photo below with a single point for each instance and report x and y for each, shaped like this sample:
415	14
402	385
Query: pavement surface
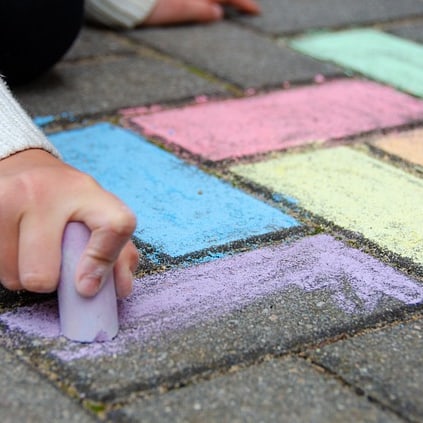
275	165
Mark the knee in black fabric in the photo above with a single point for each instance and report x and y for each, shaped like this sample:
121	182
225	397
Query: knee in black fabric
35	34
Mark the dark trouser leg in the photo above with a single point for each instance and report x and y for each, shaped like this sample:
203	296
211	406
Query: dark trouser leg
35	34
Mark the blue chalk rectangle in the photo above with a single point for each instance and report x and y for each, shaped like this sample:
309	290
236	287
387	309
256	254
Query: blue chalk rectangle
180	209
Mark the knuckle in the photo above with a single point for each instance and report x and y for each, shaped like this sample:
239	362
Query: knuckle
35	282
123	223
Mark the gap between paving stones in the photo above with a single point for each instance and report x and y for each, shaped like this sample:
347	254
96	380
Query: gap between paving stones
236	368
365	384
132	393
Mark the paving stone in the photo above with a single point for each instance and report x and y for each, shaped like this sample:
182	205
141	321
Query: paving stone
180	209
214	315
284	16
264	393
93	42
281	119
386	364
413	31
407	145
27	398
384	57
99	87
353	190
235	54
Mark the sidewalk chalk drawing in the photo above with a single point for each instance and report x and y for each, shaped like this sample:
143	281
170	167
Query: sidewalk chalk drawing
282	119
179	299
383	57
353	190
407	145
180	209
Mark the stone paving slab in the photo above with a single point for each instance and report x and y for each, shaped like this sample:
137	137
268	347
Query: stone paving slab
97	87
93	42
413	31
386	364
281	119
284	16
383	57
235	54
269	300
349	188
179	208
288	390
27	398
407	145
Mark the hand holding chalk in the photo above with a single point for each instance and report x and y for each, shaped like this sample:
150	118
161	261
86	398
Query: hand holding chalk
84	319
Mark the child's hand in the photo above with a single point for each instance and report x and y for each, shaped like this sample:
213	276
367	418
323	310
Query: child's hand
39	195
167	12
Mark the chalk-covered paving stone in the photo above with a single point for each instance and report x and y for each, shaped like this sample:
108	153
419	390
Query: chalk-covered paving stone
235	54
288	390
386	364
110	84
269	300
352	190
407	145
179	208
28	397
282	119
285	16
380	56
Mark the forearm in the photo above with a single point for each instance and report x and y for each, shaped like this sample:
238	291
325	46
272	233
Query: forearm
119	13
17	131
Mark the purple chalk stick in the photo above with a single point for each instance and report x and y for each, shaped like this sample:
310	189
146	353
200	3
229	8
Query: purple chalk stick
84	319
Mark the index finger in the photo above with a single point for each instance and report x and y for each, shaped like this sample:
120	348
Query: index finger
111	224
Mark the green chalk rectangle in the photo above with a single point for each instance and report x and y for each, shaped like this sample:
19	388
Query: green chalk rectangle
383	57
353	190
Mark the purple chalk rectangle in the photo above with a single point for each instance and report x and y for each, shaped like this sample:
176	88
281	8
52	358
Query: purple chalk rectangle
282	119
179	299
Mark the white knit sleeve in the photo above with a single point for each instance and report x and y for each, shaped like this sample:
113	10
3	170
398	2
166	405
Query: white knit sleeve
118	13
17	131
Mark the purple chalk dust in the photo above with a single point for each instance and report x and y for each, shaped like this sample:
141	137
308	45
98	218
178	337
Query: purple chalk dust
181	298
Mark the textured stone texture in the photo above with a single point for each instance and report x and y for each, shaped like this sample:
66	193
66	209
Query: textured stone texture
349	188
28	398
385	364
97	87
266	301
413	31
286	390
285	16
235	54
93	42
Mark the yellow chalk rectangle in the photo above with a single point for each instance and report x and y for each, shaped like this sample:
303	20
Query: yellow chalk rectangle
354	191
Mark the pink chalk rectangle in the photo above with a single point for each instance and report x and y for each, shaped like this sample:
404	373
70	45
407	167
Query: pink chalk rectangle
279	120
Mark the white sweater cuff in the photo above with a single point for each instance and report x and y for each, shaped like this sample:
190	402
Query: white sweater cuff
118	13
17	131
